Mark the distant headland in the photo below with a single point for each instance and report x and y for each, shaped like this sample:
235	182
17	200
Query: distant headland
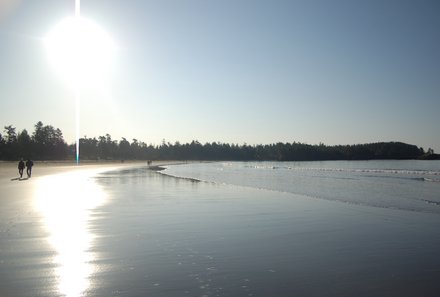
47	143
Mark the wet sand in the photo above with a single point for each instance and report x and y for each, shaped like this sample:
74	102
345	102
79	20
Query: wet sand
93	231
27	266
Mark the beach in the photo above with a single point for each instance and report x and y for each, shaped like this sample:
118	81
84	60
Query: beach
124	230
26	253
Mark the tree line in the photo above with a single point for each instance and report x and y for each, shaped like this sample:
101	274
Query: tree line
47	143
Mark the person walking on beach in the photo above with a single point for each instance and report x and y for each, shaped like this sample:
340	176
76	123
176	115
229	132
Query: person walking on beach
29	165
21	167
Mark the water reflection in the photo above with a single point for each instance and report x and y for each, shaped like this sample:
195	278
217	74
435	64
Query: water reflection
66	202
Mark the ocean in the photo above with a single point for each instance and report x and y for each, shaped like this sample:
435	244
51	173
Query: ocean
408	185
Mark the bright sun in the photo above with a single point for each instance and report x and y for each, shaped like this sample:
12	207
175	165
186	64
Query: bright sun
80	51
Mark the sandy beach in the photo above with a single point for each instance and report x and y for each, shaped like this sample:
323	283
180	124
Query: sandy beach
15	190
26	253
124	230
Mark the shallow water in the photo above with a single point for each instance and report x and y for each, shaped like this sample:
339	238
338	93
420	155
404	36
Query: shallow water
174	237
154	235
407	185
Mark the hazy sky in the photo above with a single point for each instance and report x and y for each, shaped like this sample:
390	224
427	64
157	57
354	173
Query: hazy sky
337	72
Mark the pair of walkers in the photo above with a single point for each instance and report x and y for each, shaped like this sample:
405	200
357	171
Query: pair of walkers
28	164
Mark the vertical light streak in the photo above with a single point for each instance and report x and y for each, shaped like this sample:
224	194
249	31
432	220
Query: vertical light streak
77	8
78	92
77	107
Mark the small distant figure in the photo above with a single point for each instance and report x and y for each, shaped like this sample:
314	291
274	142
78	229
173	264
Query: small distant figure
149	162
29	164
21	167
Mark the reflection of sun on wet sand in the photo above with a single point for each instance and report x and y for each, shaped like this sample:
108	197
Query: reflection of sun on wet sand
44	226
66	202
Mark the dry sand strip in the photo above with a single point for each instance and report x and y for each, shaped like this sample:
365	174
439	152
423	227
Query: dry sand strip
9	170
16	195
15	191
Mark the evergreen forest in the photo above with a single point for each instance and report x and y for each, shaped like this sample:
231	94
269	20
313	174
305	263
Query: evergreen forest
47	143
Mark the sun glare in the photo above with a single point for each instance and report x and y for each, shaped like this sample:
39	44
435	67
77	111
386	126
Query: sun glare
80	51
66	203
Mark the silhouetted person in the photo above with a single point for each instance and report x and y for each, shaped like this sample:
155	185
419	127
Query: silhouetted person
29	165
21	167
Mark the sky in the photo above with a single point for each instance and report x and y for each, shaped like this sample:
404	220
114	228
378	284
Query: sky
234	71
